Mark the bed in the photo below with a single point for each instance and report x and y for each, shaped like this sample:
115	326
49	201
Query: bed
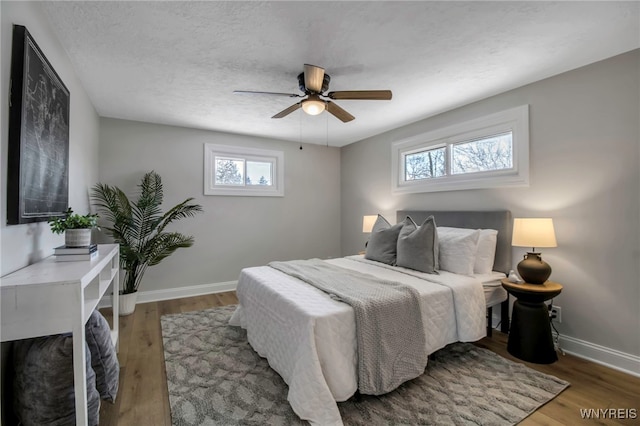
310	339
500	220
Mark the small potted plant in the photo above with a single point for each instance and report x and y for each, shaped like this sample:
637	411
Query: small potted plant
76	228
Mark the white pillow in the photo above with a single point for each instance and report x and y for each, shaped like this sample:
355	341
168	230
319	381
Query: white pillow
486	250
486	254
458	247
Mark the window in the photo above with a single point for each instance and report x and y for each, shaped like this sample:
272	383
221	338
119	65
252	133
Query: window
231	170
488	152
481	155
425	164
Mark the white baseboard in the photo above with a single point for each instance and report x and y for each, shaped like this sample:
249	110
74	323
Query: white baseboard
612	358
177	293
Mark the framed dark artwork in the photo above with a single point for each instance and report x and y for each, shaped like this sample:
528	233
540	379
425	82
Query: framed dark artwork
38	154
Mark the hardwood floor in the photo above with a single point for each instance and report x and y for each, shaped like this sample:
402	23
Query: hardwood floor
143	399
592	386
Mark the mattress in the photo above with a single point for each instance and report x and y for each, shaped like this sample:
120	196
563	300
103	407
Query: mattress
494	293
310	338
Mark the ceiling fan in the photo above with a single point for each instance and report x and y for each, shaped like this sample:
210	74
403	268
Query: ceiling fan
314	83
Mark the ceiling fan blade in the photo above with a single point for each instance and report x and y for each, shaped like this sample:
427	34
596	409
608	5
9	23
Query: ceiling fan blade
372	95
288	111
340	114
250	92
313	78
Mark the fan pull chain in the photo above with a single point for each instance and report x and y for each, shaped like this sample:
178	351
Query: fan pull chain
300	121
326	114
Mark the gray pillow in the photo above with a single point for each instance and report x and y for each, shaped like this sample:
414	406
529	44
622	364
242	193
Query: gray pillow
418	246
382	245
104	359
43	392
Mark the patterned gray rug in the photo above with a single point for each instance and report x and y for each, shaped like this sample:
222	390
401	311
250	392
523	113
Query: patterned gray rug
215	378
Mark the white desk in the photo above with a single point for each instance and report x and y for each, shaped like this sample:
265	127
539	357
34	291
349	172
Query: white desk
52	297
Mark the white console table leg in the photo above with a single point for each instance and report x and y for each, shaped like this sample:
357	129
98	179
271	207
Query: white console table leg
115	288
80	370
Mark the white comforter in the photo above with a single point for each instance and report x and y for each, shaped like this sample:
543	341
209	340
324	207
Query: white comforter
309	338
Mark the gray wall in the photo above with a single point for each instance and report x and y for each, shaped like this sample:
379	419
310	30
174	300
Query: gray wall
25	244
234	232
584	157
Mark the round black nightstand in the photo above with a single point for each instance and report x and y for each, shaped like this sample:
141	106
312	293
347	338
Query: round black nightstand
530	331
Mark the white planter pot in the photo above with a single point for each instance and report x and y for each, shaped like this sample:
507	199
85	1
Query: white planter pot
127	303
77	237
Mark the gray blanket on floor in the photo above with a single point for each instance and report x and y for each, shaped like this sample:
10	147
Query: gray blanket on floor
389	329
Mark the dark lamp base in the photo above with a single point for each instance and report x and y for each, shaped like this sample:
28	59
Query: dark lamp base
533	269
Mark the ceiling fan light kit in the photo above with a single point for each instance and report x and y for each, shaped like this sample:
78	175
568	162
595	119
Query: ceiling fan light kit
313	105
314	82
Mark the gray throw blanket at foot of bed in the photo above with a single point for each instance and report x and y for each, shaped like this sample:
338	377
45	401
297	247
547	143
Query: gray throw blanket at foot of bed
389	329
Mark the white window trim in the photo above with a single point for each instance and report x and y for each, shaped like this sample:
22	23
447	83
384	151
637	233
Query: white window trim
276	158
515	120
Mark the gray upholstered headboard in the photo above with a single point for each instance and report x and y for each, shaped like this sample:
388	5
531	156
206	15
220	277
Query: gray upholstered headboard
499	220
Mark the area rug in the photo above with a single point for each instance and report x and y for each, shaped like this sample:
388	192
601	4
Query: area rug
215	378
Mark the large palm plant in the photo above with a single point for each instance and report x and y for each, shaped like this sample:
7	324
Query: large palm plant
139	226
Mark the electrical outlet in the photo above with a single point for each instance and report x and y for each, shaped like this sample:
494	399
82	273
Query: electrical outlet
556	314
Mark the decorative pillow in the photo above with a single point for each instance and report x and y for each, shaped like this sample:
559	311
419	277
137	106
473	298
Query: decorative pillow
418	246
458	249
382	245
486	254
104	359
43	392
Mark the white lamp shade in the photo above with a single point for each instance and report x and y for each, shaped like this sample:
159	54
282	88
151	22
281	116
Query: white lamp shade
533	232
368	222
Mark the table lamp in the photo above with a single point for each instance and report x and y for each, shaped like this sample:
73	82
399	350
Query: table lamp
533	232
368	222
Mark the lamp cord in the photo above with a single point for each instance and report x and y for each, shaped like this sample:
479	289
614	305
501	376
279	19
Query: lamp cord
556	340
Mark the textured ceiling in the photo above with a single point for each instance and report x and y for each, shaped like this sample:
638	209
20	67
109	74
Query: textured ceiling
178	63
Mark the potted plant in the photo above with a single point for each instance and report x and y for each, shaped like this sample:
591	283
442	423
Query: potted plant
139	227
76	228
